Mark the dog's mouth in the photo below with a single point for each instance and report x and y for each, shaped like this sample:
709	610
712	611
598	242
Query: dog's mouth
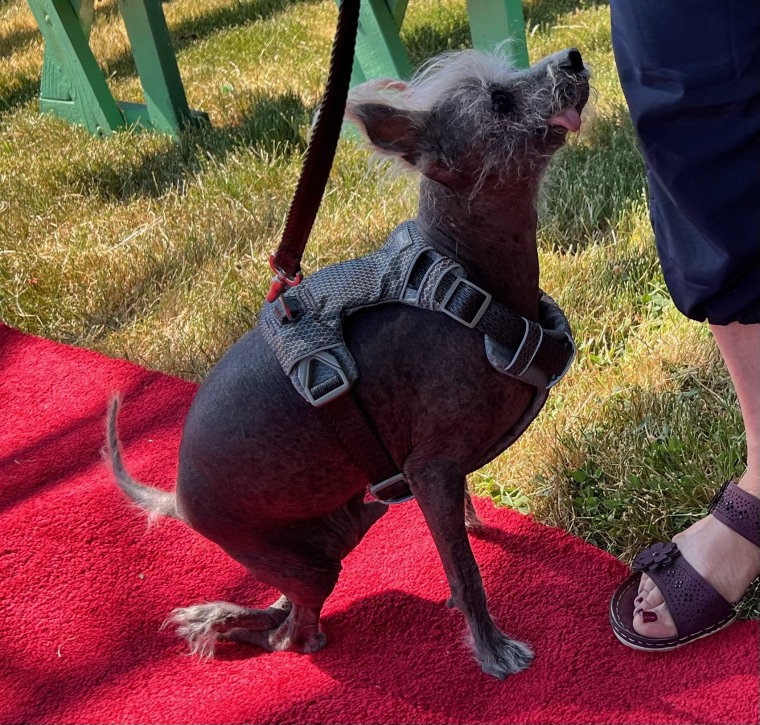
569	119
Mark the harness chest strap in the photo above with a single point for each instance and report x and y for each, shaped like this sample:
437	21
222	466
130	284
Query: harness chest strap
515	346
360	439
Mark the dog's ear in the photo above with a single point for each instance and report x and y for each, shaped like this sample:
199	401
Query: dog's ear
391	131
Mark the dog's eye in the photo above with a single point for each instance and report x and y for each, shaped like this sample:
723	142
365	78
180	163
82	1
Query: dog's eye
502	102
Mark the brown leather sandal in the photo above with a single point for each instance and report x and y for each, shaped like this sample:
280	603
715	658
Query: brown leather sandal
697	609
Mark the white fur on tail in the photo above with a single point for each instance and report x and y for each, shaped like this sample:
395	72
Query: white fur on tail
155	502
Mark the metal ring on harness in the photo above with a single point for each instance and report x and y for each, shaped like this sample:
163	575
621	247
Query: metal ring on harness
281	280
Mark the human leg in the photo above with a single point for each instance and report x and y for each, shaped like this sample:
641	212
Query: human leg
704	185
724	558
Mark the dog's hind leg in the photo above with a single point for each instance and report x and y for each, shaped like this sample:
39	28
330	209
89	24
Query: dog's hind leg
203	624
471	519
303	563
440	491
299	632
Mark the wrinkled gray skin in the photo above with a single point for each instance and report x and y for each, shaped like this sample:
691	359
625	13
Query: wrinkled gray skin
261	472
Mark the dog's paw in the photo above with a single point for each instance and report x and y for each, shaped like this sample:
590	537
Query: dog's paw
504	657
201	624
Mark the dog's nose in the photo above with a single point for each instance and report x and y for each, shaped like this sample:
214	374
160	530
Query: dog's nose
573	63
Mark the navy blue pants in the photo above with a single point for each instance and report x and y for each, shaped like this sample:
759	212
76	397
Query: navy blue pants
690	72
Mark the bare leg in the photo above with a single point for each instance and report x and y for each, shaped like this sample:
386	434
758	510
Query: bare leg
203	624
300	632
440	492
474	526
727	560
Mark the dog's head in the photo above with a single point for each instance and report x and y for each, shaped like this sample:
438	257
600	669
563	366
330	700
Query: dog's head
468	119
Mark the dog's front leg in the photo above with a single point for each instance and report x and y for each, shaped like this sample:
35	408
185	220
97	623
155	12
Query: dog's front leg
440	491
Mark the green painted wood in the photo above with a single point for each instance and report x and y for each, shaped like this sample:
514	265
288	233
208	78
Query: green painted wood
53	82
156	63
137	116
494	21
78	89
398	10
379	51
73	87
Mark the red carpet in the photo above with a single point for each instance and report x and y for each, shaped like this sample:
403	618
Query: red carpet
84	587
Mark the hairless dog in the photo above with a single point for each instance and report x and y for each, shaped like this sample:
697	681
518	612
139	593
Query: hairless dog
481	134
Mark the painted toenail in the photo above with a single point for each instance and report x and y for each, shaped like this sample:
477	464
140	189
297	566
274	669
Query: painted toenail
649	616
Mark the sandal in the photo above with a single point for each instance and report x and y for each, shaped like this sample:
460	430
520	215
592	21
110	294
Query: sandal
697	609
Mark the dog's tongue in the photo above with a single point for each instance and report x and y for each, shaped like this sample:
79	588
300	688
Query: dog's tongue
569	119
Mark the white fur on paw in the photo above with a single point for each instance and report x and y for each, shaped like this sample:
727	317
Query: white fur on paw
199	625
508	657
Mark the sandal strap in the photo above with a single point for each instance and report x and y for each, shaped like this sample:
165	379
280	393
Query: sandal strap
692	601
738	510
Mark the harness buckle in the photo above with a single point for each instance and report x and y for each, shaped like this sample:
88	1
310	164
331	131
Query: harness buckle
527	349
376	489
456	284
322	378
521	363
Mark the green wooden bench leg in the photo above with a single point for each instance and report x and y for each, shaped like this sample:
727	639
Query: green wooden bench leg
73	85
165	99
379	51
493	21
54	85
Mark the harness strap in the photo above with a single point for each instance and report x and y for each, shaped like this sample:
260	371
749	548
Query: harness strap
359	437
529	343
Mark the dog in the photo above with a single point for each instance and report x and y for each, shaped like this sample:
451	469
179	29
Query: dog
480	134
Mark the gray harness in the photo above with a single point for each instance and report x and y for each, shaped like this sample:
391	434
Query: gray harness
310	347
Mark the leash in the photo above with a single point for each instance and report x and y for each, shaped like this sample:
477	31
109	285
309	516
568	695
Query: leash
286	261
344	413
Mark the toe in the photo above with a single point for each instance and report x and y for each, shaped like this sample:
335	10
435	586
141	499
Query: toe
645	585
651	599
655	623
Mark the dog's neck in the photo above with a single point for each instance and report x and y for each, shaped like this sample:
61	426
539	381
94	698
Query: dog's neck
493	236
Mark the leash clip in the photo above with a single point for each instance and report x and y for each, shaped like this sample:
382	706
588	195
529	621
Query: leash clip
280	282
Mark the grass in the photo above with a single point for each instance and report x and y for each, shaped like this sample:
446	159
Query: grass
156	251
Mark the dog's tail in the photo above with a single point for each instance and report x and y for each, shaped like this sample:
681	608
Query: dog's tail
156	502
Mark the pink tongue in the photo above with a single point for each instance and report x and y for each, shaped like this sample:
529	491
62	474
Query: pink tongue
569	119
